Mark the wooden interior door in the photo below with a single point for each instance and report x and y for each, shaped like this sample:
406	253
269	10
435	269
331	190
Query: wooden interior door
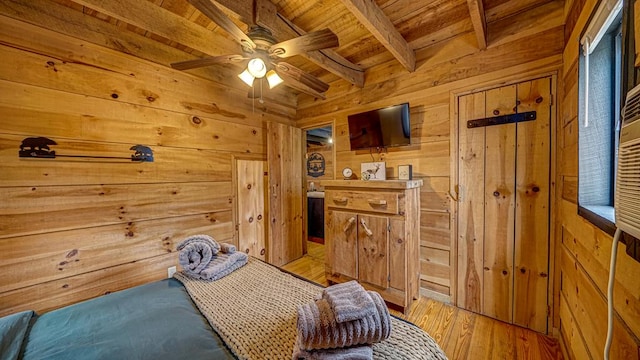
285	159
341	228
503	222
373	250
471	149
533	193
250	192
499	205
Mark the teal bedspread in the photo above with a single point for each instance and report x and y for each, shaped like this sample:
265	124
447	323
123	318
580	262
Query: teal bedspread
152	321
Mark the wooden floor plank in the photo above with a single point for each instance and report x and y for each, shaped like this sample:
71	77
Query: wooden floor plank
459	342
460	333
482	339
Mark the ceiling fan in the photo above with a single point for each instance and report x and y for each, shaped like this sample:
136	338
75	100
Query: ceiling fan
264	54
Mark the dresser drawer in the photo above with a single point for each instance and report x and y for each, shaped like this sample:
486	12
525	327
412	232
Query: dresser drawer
383	202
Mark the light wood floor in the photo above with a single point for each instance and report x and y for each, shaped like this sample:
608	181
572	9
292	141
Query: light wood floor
460	333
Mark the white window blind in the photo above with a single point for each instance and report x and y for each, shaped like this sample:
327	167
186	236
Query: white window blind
602	20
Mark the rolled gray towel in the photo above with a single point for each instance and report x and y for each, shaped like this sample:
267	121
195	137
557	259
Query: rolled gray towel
349	301
227	248
318	328
222	265
196	252
359	352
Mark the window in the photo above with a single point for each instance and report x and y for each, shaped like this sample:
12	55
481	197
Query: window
599	114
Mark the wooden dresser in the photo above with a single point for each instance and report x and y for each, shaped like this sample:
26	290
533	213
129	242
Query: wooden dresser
372	234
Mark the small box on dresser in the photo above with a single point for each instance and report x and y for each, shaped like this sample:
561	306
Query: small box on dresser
372	235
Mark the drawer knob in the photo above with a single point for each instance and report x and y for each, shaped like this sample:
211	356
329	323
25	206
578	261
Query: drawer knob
377	202
340	199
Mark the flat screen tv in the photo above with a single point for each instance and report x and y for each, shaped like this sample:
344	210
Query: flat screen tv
380	128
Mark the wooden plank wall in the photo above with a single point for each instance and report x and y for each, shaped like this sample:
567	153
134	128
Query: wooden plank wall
73	229
583	251
286	221
525	45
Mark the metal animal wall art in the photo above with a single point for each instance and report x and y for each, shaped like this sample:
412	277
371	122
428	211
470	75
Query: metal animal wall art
38	147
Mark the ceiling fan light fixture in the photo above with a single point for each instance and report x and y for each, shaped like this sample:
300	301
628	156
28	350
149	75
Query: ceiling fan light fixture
247	77
274	79
257	67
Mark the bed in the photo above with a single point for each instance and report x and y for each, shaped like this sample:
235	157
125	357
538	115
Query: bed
251	310
152	321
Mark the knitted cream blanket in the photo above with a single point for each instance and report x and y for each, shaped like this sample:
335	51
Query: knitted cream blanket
254	310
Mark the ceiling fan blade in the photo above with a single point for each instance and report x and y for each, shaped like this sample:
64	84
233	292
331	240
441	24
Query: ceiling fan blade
315	40
211	60
286	70
217	16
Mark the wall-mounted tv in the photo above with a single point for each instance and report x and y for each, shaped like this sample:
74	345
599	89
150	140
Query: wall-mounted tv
380	128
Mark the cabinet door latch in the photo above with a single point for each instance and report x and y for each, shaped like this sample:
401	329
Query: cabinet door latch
366	228
350	222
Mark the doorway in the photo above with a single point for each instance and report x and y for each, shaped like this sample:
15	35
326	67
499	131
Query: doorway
319	165
503	223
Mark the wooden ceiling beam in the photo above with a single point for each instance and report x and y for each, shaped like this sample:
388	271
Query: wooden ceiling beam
326	58
476	10
284	29
372	17
157	20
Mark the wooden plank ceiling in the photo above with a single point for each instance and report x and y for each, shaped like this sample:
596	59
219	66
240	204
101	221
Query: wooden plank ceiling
370	33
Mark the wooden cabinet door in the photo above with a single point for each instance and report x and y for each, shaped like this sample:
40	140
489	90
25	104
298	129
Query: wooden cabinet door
342	257
397	255
373	250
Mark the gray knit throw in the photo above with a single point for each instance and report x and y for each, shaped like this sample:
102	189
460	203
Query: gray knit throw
220	266
318	328
196	252
349	301
254	310
360	352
